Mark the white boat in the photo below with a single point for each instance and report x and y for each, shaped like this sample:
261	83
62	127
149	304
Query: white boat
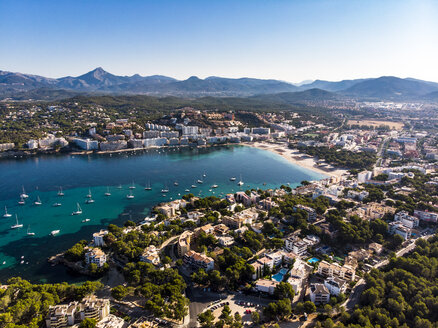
38	201
21	201
120	186
214	186
56	204
107	192
148	186
78	210
132	186
89	201
55	232
240	183
29	233
187	190
7	215
200	181
176	183
89	195
232	179
165	189
130	195
16	225
23	194
204	175
194	186
85	220
60	192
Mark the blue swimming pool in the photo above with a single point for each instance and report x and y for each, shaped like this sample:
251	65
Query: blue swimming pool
313	260
279	275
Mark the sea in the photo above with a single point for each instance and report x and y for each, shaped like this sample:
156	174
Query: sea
42	177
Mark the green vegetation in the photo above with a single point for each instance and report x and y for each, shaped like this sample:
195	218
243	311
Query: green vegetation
23	304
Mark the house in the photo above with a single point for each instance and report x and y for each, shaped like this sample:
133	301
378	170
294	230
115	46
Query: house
319	294
96	256
335	285
376	248
267	203
98	238
258	270
266	286
266	261
207	229
184	243
221	229
198	261
311	240
276	257
225	240
150	255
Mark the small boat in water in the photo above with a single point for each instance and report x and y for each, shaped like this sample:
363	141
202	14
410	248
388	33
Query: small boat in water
187	190
89	201
176	183
56	204
107	192
214	186
148	186
165	189
78	210
120	186
130	195
60	192
232	179
55	232
21	201
194	186
29	233
200	181
240	183
85	220
132	186
7	215
16	225
89	195
23	193
38	201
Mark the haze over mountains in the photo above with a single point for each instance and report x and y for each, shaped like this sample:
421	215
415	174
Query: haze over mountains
25	86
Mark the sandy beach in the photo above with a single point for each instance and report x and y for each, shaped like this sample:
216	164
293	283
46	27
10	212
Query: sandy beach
297	158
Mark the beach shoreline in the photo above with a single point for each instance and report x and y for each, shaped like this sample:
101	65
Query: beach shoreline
297	158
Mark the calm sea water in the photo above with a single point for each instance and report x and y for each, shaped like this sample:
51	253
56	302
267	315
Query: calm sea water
41	177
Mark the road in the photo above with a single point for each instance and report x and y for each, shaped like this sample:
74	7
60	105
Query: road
360	285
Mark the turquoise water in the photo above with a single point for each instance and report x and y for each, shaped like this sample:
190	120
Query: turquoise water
313	260
41	177
280	275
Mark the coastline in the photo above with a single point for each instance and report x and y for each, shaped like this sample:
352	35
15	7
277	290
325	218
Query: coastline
296	158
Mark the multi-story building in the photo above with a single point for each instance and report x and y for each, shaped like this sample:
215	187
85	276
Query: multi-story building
345	272
198	261
184	241
407	220
260	130
311	213
96	256
296	246
266	286
335	285
319	294
426	216
190	130
399	229
98	238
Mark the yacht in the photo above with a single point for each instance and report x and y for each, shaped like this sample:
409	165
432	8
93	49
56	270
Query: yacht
23	194
6	215
200	181
148	186
16	225
38	201
194	186
165	189
78	210
29	233
240	183
21	201
60	192
107	192
132	186
214	186
130	195
176	183
55	232
89	201
56	204
187	190
89	193
232	179
85	220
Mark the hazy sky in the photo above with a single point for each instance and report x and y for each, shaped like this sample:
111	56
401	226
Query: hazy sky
287	40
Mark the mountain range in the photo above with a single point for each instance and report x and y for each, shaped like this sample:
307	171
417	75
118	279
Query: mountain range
98	81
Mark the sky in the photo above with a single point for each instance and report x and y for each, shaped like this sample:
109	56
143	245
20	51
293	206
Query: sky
286	40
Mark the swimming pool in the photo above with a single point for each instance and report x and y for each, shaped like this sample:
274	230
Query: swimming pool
279	275
313	260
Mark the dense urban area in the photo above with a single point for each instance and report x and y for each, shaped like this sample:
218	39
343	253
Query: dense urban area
356	249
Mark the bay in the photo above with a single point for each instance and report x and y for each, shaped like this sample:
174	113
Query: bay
26	256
